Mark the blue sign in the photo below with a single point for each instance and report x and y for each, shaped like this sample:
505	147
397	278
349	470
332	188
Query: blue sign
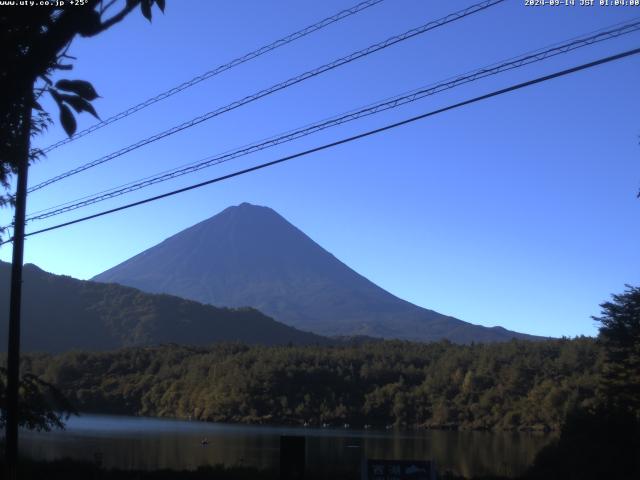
398	470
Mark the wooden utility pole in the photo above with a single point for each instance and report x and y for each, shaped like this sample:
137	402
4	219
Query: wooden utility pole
13	356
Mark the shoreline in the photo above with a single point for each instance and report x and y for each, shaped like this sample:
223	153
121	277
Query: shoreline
536	429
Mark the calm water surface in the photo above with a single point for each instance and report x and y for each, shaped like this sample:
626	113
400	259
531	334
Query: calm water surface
147	443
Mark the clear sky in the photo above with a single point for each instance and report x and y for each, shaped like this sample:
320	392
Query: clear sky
519	211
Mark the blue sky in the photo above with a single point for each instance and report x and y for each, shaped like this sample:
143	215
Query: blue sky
518	211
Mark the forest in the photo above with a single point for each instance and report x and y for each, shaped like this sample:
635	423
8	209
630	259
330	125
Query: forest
518	385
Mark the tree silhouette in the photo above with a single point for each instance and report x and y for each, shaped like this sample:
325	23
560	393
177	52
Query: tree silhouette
35	42
620	337
604	441
42	406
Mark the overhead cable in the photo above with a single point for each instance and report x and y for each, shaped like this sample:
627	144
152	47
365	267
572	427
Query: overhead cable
394	102
218	70
407	121
478	7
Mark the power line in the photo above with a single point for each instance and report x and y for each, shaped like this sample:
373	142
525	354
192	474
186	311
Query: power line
394	102
220	69
605	33
277	87
346	140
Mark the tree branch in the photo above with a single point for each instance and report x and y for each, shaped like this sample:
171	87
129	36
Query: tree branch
104	8
117	18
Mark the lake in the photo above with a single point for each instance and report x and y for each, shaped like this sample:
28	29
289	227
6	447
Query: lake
150	443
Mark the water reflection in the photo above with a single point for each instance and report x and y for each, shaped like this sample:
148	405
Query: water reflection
143	443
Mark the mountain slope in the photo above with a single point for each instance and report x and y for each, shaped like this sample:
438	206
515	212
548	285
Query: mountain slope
62	313
250	255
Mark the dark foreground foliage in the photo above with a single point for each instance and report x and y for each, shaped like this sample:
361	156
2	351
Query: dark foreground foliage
603	441
515	385
620	339
596	444
42	406
75	470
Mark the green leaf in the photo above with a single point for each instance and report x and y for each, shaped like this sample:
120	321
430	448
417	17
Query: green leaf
161	5
145	6
37	106
79	104
67	120
79	87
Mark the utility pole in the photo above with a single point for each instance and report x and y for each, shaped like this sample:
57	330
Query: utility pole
13	357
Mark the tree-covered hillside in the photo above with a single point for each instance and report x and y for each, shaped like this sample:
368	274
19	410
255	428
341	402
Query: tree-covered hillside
61	313
512	385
